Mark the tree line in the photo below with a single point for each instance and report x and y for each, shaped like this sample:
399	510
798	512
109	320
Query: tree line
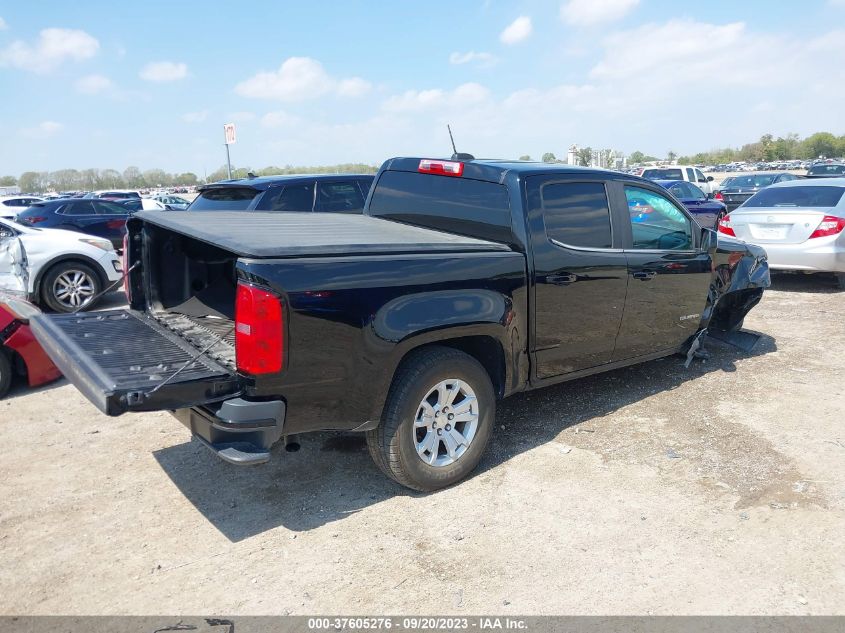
133	178
769	148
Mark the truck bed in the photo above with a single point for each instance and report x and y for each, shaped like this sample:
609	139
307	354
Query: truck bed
279	235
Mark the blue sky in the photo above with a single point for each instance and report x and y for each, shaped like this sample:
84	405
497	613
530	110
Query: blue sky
104	84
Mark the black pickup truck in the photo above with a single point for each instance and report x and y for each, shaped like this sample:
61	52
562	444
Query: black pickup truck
465	281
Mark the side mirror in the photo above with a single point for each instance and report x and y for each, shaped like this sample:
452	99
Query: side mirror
709	195
709	238
709	178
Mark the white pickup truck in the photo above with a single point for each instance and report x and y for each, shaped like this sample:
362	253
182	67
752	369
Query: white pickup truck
681	172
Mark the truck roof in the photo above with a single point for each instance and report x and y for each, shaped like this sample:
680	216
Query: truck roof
277	235
495	170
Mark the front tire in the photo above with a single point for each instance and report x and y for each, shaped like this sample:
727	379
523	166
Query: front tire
437	420
70	286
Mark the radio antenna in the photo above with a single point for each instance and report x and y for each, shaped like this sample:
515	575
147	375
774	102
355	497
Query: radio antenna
452	138
456	155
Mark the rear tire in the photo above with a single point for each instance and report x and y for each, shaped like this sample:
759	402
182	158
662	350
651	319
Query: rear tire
68	286
423	444
5	373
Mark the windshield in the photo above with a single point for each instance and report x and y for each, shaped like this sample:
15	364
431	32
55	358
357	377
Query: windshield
663	174
752	181
224	199
800	196
826	170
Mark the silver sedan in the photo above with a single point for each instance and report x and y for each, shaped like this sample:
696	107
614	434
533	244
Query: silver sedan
800	223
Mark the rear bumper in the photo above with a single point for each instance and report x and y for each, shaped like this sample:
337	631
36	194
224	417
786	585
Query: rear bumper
238	431
817	255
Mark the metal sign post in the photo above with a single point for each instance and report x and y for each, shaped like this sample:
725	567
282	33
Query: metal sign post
229	135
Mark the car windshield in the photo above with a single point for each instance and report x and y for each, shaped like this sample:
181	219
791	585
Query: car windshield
225	199
826	170
800	196
663	174
760	180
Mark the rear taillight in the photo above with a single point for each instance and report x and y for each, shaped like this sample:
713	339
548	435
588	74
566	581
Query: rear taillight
124	260
830	225
33	219
725	226
259	331
719	196
441	167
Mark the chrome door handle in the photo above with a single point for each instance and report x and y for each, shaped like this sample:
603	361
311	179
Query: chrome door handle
561	280
644	275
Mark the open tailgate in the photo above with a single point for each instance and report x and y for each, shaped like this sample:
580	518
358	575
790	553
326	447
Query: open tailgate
118	358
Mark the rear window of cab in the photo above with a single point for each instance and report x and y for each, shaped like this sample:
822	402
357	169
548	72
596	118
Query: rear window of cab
475	208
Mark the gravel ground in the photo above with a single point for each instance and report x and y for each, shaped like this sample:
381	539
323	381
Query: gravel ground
718	489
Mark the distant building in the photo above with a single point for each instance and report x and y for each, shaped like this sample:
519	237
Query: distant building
601	158
10	191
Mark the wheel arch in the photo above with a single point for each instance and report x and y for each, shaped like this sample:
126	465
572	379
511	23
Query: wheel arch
62	259
486	348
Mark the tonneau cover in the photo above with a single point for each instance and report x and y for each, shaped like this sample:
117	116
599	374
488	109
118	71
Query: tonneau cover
273	234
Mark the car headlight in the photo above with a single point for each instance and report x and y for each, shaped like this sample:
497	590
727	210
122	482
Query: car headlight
104	244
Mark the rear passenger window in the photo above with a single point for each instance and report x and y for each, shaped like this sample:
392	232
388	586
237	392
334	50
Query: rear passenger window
339	197
577	214
290	198
79	208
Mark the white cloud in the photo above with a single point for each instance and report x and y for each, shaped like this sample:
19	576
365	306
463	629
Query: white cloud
353	87
517	31
195	117
435	99
164	71
300	79
3	25
241	117
53	47
590	12
279	119
682	51
482	59
45	129
93	84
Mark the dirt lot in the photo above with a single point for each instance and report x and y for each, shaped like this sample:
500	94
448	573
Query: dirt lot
654	489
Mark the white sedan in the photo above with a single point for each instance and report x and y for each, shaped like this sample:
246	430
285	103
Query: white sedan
10	206
62	270
800	223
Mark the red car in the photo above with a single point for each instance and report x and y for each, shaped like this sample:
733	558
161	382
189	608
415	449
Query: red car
20	353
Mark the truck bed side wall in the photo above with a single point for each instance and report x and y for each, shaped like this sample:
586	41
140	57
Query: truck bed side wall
352	320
